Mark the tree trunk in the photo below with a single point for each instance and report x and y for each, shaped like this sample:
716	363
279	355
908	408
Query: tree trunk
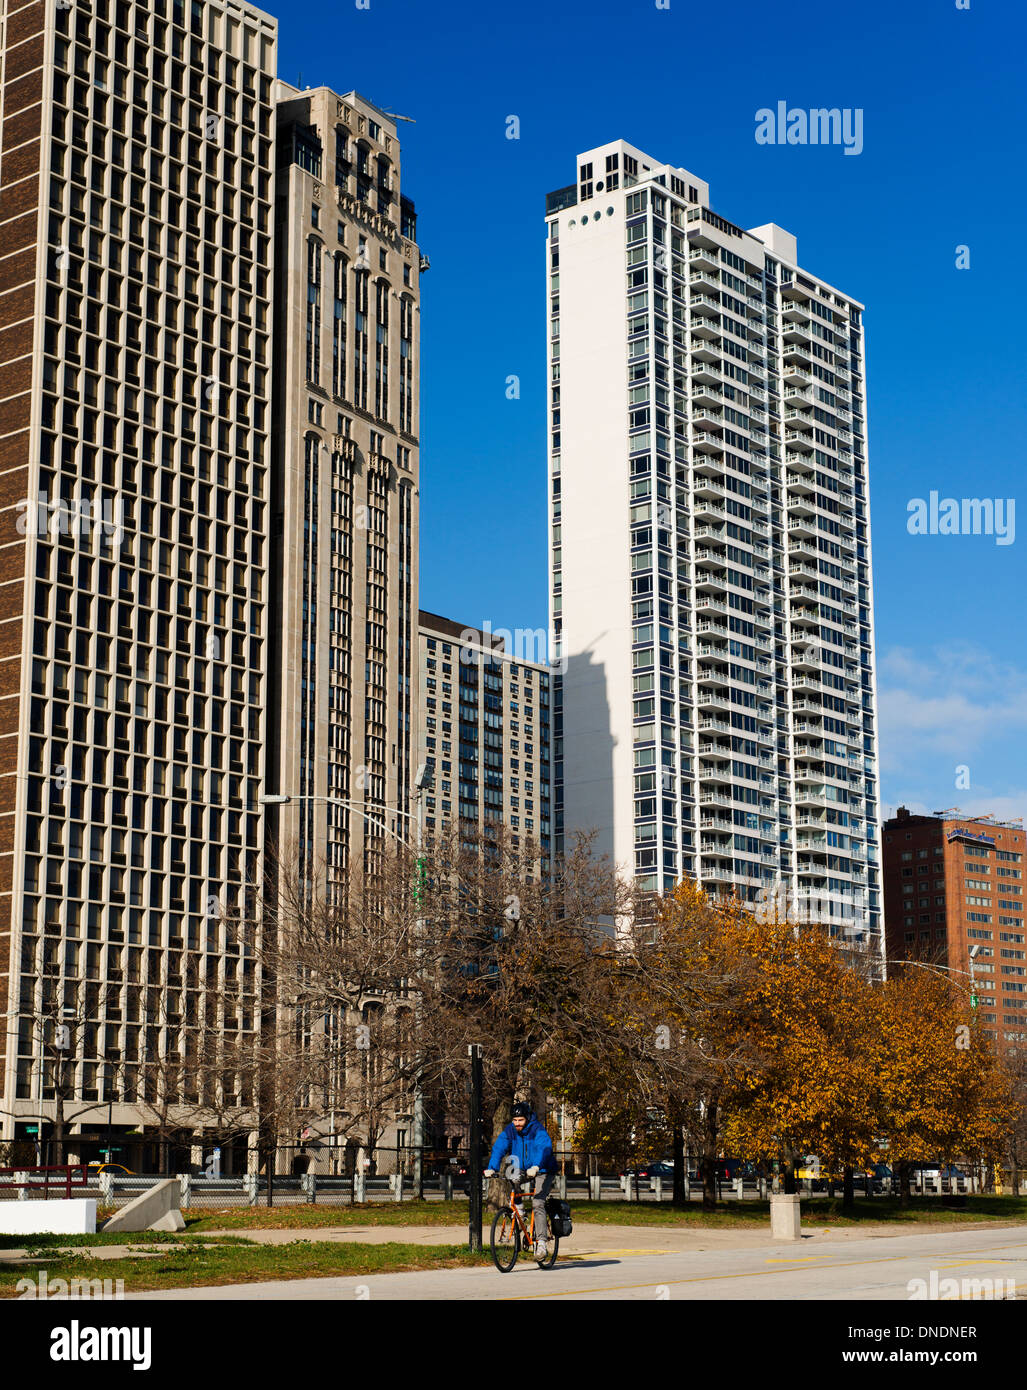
848	1189
498	1193
709	1184
789	1175
901	1171
58	1127
678	1199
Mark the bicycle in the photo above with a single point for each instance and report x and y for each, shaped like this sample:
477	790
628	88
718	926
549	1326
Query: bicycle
511	1228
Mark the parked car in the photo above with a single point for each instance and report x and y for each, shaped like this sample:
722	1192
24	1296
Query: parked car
931	1171
877	1176
727	1169
808	1168
658	1168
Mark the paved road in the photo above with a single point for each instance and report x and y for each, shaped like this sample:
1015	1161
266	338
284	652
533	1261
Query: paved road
876	1268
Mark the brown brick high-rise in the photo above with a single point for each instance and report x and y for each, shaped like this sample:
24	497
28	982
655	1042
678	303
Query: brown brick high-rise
136	263
953	882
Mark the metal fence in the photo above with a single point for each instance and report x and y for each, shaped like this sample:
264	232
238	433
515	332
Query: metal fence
390	1176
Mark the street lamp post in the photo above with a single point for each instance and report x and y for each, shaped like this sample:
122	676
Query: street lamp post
944	970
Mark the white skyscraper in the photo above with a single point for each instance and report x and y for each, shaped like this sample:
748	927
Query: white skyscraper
715	714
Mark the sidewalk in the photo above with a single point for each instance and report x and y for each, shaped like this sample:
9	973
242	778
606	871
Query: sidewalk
607	1239
587	1239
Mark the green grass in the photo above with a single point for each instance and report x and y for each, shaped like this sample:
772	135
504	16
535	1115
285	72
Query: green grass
816	1211
312	1217
42	1244
729	1215
193	1265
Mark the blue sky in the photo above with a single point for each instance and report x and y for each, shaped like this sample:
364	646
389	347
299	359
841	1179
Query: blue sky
942	93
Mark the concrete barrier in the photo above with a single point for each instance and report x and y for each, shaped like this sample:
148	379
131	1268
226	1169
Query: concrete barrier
66	1216
785	1221
158	1209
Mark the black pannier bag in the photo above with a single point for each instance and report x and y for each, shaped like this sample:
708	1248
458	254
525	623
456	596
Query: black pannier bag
559	1213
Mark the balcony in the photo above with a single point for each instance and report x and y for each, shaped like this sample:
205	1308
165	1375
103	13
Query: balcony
705	337
792	291
707	506
710	699
704	371
798	419
708	723
795	374
705	603
805	616
800	486
716	799
704	255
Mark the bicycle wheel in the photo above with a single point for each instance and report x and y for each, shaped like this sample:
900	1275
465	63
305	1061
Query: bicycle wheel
554	1245
505	1240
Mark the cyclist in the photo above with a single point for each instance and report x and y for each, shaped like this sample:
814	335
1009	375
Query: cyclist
529	1153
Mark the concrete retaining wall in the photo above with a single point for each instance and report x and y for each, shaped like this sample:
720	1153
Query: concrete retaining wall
66	1216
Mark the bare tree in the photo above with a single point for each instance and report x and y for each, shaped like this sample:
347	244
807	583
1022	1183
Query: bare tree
378	990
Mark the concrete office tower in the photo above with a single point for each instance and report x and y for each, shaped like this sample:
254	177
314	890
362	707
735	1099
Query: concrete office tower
346	482
135	320
486	724
710	544
954	884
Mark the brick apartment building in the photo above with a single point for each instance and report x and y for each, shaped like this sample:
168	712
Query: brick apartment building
953	882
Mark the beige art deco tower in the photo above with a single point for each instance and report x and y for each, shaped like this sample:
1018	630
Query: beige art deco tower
346	498
136	259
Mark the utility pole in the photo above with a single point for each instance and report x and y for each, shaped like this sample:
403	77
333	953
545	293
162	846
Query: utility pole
474	1206
423	779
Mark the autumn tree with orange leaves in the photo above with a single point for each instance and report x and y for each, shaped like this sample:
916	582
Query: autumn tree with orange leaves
944	1094
769	1039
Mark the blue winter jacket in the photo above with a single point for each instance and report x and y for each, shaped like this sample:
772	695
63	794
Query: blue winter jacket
532	1148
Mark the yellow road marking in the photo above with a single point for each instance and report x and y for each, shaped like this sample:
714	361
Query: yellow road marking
754	1273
